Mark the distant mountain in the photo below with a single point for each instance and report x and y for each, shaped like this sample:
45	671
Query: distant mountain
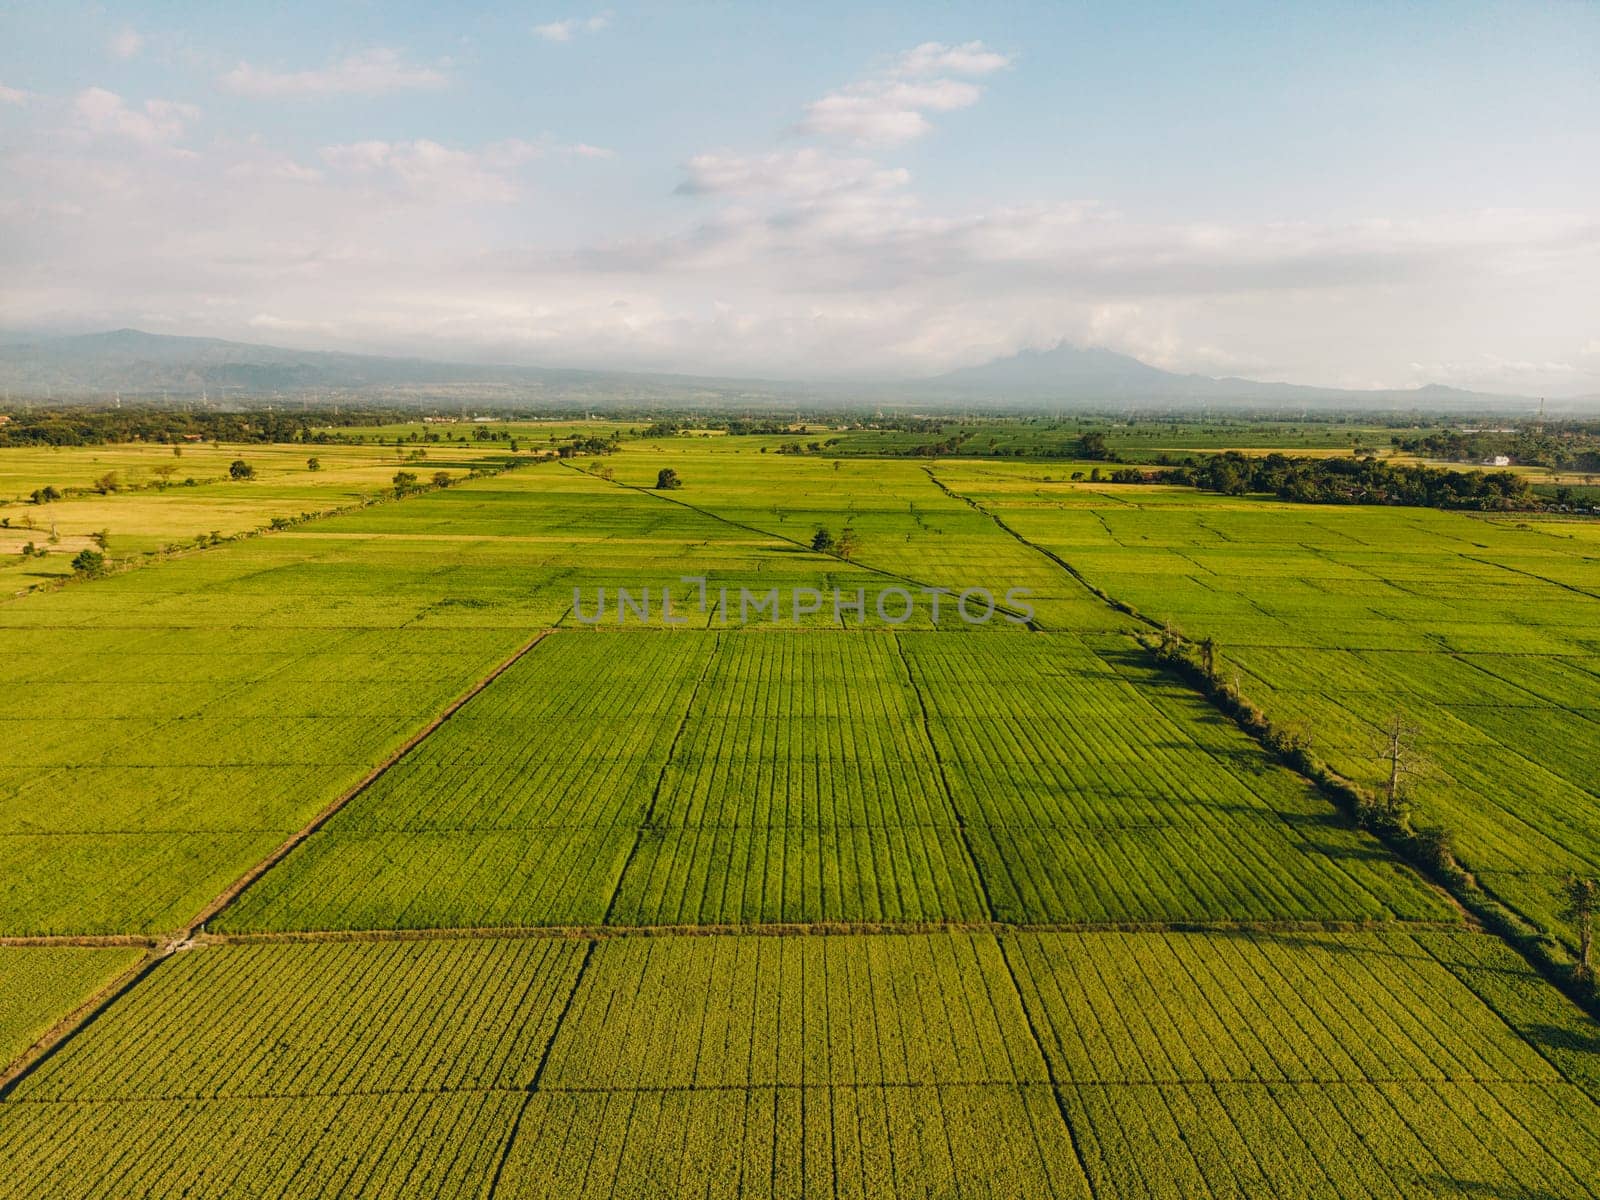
129	360
1075	375
138	364
1065	369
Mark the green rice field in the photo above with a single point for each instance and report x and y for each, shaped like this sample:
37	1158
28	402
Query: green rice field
359	859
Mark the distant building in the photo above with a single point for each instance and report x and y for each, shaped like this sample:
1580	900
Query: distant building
1498	460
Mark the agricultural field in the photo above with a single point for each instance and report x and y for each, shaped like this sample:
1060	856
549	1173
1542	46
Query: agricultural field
147	498
201	710
396	872
43	983
1024	1064
1479	631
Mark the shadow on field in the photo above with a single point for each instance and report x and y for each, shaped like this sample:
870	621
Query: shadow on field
1449	1185
1330	943
1557	1038
1365	853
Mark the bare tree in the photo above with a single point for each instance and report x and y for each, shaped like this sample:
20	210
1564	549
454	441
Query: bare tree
1208	655
1580	902
1397	750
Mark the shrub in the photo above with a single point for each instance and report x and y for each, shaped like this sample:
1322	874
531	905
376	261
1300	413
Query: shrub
89	562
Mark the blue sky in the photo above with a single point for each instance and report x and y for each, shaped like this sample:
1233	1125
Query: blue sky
1367	195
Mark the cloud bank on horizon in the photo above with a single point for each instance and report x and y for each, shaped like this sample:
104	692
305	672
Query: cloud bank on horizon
1372	199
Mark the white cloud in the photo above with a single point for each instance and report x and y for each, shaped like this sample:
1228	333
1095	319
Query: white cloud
11	95
885	112
806	173
127	43
425	169
892	108
372	72
800	260
159	122
428	170
274	167
935	58
570	27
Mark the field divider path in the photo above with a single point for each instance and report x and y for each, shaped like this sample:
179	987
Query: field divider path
601	933
81	1018
1045	1060
1571	587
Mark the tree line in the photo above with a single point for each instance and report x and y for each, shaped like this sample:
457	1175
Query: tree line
1346	481
88	426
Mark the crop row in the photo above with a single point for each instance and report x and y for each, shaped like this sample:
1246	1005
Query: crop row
191	710
43	983
334	1017
1481	634
948	1064
1082	798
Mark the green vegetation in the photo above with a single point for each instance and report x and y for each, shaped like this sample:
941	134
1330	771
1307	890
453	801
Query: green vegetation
43	983
435	886
1479	631
1348	481
1054	1064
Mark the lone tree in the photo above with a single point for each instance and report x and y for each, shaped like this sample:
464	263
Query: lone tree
404	481
822	542
667	480
89	562
239	469
313	464
1580	902
1208	656
848	544
1397	749
1092	445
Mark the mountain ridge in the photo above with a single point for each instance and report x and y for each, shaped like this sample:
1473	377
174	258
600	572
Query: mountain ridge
142	363
1037	374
